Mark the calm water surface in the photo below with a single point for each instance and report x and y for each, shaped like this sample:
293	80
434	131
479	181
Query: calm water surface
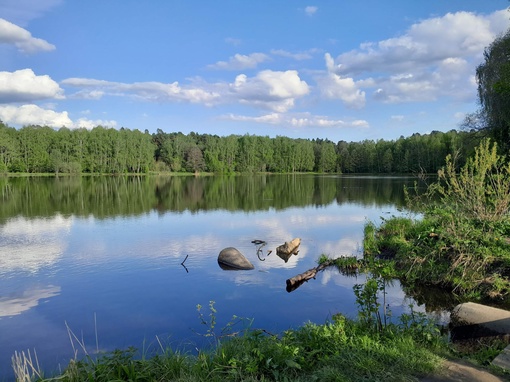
103	255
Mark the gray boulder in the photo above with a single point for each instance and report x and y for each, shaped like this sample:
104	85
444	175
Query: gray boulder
231	258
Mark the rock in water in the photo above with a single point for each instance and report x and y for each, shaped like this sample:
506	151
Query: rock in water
234	259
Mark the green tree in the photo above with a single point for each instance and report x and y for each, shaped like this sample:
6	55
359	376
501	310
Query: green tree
344	157
493	77
9	152
304	155
98	150
282	147
265	153
248	154
35	148
325	156
194	159
212	154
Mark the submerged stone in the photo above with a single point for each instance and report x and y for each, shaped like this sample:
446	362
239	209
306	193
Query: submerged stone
231	258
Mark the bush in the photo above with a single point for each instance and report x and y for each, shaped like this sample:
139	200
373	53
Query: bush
481	190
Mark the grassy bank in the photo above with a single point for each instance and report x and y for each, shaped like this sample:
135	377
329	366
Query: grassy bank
461	242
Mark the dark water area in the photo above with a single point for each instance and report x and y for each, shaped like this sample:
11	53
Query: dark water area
124	261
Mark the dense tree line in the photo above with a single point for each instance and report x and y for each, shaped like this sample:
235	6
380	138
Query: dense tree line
41	149
248	153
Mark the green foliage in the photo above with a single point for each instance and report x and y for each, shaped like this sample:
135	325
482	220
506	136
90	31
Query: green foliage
481	190
368	303
462	242
41	149
226	331
370	246
481	351
422	329
348	265
36	149
493	78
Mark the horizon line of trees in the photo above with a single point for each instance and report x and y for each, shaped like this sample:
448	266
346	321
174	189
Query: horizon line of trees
42	149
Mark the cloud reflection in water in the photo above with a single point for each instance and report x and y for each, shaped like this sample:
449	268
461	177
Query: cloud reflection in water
19	303
28	245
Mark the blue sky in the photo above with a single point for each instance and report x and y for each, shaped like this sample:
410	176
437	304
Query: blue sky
343	70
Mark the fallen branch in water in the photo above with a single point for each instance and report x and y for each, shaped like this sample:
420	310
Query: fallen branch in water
186	258
294	282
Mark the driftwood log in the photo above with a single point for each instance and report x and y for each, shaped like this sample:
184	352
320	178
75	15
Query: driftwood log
289	247
296	281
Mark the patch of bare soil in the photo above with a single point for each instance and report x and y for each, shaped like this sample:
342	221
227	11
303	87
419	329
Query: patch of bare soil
459	371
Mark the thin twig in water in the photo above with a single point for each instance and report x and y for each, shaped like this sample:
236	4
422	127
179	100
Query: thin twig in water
73	338
186	258
95	329
160	344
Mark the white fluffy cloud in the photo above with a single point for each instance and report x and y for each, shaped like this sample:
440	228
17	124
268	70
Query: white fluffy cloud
345	89
22	39
22	11
241	61
306	55
273	90
297	120
311	10
147	91
435	57
23	85
89	124
461	34
34	115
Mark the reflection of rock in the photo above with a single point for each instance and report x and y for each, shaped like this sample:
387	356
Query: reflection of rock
288	249
231	259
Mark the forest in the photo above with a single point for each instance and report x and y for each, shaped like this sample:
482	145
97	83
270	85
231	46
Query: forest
42	149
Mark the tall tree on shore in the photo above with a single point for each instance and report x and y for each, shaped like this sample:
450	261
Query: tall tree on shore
9	152
493	77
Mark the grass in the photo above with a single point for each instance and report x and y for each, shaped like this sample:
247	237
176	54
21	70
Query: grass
339	350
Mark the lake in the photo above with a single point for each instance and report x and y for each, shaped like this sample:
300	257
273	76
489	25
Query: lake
124	261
